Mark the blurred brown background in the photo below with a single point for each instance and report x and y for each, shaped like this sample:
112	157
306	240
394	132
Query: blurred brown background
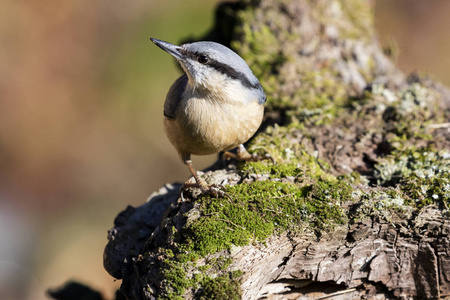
81	136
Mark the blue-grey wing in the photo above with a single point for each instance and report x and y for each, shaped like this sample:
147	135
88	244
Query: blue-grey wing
174	97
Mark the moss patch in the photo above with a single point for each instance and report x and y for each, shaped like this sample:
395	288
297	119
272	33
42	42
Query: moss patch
225	287
377	204
177	279
257	211
261	208
423	174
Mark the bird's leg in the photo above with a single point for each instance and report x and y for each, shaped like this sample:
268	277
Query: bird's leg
202	185
243	155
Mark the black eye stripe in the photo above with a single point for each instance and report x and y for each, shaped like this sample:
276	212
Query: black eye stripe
223	68
232	73
189	54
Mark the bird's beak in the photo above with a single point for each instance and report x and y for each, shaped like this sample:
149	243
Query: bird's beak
172	49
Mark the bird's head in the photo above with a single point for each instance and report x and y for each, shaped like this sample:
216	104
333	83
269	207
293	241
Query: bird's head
213	67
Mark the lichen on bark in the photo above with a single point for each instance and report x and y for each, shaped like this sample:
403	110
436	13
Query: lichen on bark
357	200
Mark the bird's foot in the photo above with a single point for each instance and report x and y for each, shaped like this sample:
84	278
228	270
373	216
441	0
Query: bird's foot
213	189
243	155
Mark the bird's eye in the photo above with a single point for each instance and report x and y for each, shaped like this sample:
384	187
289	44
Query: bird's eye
203	59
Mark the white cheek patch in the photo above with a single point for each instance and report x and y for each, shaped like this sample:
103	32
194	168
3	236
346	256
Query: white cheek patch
209	78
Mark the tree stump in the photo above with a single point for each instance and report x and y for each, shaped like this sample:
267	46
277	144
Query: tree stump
355	205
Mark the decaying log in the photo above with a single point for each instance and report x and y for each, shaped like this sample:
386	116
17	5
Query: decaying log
339	115
370	258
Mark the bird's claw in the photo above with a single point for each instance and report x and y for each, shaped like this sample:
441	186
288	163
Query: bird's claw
266	157
215	190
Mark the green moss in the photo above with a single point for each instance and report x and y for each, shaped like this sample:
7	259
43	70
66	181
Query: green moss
379	204
420	170
204	268
354	178
290	156
428	179
422	174
416	109
257	211
406	114
225	287
260	49
176	279
322	92
419	162
257	44
261	208
224	263
320	97
428	190
360	17
274	170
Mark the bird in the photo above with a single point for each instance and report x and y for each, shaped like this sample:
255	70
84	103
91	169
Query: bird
216	105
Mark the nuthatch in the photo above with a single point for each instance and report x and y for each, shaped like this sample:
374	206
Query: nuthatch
217	105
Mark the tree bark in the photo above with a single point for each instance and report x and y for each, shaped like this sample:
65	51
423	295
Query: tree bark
339	115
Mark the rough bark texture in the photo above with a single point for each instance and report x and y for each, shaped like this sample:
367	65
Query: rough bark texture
356	205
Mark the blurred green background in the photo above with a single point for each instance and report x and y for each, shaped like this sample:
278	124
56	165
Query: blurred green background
81	136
